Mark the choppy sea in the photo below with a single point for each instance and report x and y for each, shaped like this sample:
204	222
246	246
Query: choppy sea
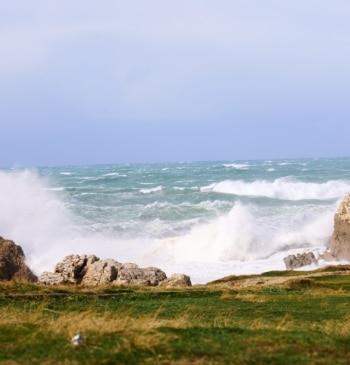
206	219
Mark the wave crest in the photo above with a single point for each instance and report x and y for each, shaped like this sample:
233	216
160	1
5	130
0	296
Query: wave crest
151	190
239	235
282	188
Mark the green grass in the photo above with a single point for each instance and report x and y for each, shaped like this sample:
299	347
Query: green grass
304	321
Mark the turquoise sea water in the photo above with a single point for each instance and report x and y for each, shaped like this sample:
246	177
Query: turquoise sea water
205	218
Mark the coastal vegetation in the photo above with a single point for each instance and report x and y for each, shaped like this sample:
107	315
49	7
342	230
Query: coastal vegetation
289	317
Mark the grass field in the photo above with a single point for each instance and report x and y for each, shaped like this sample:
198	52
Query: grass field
274	318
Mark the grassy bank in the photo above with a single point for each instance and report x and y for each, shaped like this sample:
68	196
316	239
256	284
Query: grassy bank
274	318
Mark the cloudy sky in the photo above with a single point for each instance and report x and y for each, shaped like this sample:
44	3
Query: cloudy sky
86	82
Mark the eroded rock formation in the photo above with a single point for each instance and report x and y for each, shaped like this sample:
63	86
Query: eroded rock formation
339	243
176	281
150	276
90	270
299	260
74	267
101	272
12	262
340	240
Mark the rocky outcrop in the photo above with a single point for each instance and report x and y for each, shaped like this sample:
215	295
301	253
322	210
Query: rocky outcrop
12	263
340	240
339	243
301	259
74	267
51	278
89	270
150	276
177	281
101	272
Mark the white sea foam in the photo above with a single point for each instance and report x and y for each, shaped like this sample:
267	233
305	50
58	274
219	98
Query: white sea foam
237	166
207	204
152	190
55	189
90	178
241	243
241	236
282	188
114	174
229	237
179	188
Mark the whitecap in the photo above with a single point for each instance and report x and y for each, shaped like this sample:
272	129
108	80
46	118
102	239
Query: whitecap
282	188
237	166
151	190
114	174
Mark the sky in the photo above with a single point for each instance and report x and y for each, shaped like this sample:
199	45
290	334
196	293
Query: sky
110	81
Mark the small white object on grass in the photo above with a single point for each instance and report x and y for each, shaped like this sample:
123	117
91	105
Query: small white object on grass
77	339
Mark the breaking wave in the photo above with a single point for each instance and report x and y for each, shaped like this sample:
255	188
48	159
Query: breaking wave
240	235
283	188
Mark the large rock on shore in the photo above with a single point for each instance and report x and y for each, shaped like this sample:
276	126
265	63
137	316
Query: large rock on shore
299	260
101	272
74	267
150	276
90	270
340	240
12	263
176	281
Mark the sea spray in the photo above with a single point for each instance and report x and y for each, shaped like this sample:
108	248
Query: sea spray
239	235
29	210
228	237
34	216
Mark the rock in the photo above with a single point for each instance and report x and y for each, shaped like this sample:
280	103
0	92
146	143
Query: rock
340	240
90	270
101	272
51	278
327	256
130	265
294	261
176	281
74	267
150	276
12	263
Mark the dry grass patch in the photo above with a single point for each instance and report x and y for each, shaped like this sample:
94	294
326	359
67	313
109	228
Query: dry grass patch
73	322
251	297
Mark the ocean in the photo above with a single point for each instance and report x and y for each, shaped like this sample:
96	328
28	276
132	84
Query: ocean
205	219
